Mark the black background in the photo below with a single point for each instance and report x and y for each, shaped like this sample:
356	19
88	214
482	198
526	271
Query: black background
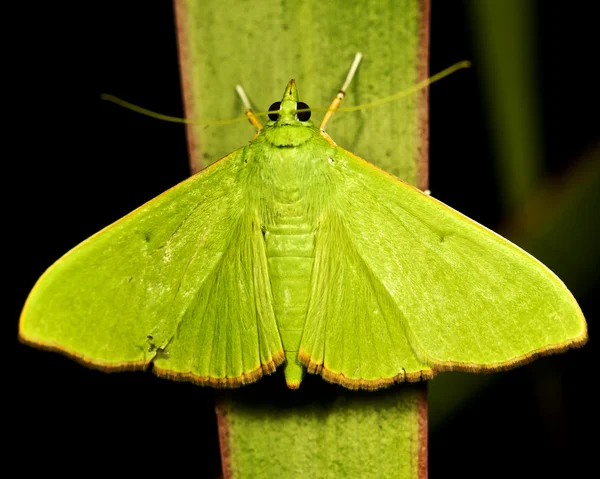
79	163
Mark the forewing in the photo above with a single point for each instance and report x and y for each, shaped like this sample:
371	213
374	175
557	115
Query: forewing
181	282
467	298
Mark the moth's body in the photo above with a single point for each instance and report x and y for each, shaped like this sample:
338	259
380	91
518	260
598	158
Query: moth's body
293	250
289	233
286	170
284	190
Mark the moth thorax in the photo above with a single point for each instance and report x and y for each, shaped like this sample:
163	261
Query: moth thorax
287	193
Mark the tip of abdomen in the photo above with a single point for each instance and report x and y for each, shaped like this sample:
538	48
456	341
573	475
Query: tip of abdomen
294	370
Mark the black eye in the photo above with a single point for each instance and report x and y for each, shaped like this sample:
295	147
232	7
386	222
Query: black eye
302	115
274	107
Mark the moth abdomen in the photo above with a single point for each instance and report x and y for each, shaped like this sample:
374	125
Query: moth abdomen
290	247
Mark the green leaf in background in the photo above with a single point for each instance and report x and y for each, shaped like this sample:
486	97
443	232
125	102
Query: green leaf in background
505	33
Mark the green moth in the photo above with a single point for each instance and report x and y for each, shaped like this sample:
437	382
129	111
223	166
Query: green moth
293	250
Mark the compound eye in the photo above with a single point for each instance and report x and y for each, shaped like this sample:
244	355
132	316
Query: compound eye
302	115
274	107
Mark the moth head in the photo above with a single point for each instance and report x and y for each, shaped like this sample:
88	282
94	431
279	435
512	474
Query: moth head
285	112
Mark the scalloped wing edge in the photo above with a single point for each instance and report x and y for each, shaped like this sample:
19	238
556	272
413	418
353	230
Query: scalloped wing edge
437	367
220	383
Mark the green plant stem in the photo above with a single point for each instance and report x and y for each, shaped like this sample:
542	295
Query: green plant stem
320	430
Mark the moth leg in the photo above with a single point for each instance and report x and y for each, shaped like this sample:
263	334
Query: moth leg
335	104
249	112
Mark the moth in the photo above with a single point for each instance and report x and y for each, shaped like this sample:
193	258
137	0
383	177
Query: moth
292	250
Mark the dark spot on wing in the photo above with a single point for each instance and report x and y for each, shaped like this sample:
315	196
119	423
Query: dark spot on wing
444	237
161	353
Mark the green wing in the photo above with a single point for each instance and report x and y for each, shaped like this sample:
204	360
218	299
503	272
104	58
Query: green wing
181	283
354	334
405	286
